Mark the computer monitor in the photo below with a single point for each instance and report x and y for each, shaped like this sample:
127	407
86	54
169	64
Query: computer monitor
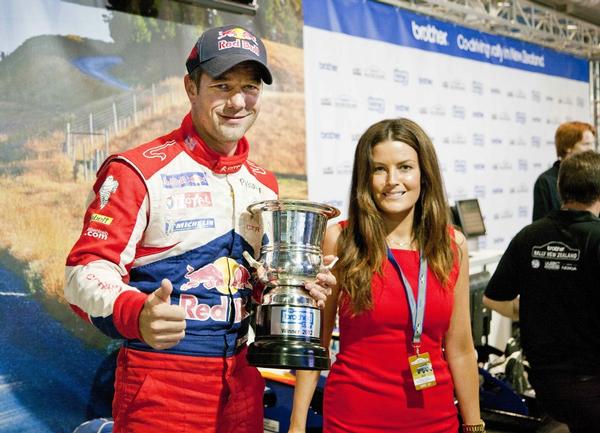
467	215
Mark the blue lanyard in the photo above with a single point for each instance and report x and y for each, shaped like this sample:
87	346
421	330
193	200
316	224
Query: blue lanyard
417	308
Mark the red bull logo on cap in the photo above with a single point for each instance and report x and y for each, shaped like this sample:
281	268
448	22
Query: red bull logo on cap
224	275
237	33
241	39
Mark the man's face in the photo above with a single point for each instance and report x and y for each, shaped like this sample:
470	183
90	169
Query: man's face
225	107
587	142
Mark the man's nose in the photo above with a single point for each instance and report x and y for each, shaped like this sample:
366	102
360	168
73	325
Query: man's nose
236	100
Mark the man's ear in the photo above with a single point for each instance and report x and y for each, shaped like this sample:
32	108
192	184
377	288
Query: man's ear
190	86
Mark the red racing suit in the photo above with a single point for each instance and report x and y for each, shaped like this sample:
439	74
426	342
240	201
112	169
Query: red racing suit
173	208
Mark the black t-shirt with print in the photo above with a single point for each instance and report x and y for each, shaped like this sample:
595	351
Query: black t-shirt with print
554	264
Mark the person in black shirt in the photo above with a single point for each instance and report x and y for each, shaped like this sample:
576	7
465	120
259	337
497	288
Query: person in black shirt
570	137
549	280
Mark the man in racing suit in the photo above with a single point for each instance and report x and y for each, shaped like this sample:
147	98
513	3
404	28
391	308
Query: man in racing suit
159	261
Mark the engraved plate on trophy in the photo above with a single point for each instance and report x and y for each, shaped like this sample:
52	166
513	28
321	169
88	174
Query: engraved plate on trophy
294	321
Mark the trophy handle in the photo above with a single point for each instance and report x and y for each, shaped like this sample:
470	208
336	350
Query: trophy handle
260	268
251	260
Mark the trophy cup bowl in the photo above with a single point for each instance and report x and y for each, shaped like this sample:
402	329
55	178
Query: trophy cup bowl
288	321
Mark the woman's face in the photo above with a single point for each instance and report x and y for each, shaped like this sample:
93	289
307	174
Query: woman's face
396	178
587	142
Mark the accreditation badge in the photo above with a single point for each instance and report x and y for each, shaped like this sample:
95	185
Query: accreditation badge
421	371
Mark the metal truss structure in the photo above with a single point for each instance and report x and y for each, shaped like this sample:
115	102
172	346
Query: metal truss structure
524	20
247	7
595	96
519	19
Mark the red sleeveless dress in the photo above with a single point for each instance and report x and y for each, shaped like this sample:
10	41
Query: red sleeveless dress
369	388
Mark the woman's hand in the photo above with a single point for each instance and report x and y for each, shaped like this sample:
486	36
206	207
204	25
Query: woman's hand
325	283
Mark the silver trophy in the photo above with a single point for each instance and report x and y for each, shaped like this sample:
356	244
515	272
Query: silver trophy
288	321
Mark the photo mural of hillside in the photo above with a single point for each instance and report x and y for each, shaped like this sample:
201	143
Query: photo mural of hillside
78	83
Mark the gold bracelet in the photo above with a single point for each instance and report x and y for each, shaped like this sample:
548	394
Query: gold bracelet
474	428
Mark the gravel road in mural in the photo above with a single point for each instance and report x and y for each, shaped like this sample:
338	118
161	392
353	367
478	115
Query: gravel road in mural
46	373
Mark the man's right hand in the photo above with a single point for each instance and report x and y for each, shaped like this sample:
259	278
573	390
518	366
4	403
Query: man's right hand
162	325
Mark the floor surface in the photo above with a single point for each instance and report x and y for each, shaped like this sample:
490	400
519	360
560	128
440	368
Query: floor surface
549	426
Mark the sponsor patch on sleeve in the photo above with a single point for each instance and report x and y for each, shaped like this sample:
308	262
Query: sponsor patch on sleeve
102	219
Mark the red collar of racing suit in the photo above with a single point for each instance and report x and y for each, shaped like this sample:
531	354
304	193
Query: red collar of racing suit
199	150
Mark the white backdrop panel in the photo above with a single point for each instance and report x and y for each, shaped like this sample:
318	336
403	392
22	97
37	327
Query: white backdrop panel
492	121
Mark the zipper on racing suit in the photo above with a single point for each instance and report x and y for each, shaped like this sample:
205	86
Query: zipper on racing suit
231	318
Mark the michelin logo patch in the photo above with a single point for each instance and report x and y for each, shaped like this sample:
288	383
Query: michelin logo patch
191	224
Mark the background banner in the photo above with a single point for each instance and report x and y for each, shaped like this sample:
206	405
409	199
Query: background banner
490	104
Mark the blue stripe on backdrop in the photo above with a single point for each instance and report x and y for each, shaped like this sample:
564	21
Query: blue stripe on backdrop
374	20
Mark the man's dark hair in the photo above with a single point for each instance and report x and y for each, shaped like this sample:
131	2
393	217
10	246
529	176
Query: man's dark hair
579	178
196	75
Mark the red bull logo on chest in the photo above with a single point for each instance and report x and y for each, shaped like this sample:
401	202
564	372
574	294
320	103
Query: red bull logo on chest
195	310
224	275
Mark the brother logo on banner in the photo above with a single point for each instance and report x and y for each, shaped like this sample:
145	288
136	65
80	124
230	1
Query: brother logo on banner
429	33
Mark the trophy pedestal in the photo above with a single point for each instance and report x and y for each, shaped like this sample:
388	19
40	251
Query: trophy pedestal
287	336
288	353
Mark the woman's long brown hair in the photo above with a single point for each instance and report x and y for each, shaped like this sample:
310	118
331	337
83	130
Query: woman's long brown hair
361	246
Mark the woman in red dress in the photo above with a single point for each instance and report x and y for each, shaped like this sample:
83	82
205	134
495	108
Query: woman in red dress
402	299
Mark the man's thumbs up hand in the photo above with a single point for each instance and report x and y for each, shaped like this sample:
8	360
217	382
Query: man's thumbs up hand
162	325
162	294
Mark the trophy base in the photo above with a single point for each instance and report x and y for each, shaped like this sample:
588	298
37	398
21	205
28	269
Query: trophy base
288	354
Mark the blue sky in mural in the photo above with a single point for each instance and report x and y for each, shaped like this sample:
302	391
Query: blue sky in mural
20	20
